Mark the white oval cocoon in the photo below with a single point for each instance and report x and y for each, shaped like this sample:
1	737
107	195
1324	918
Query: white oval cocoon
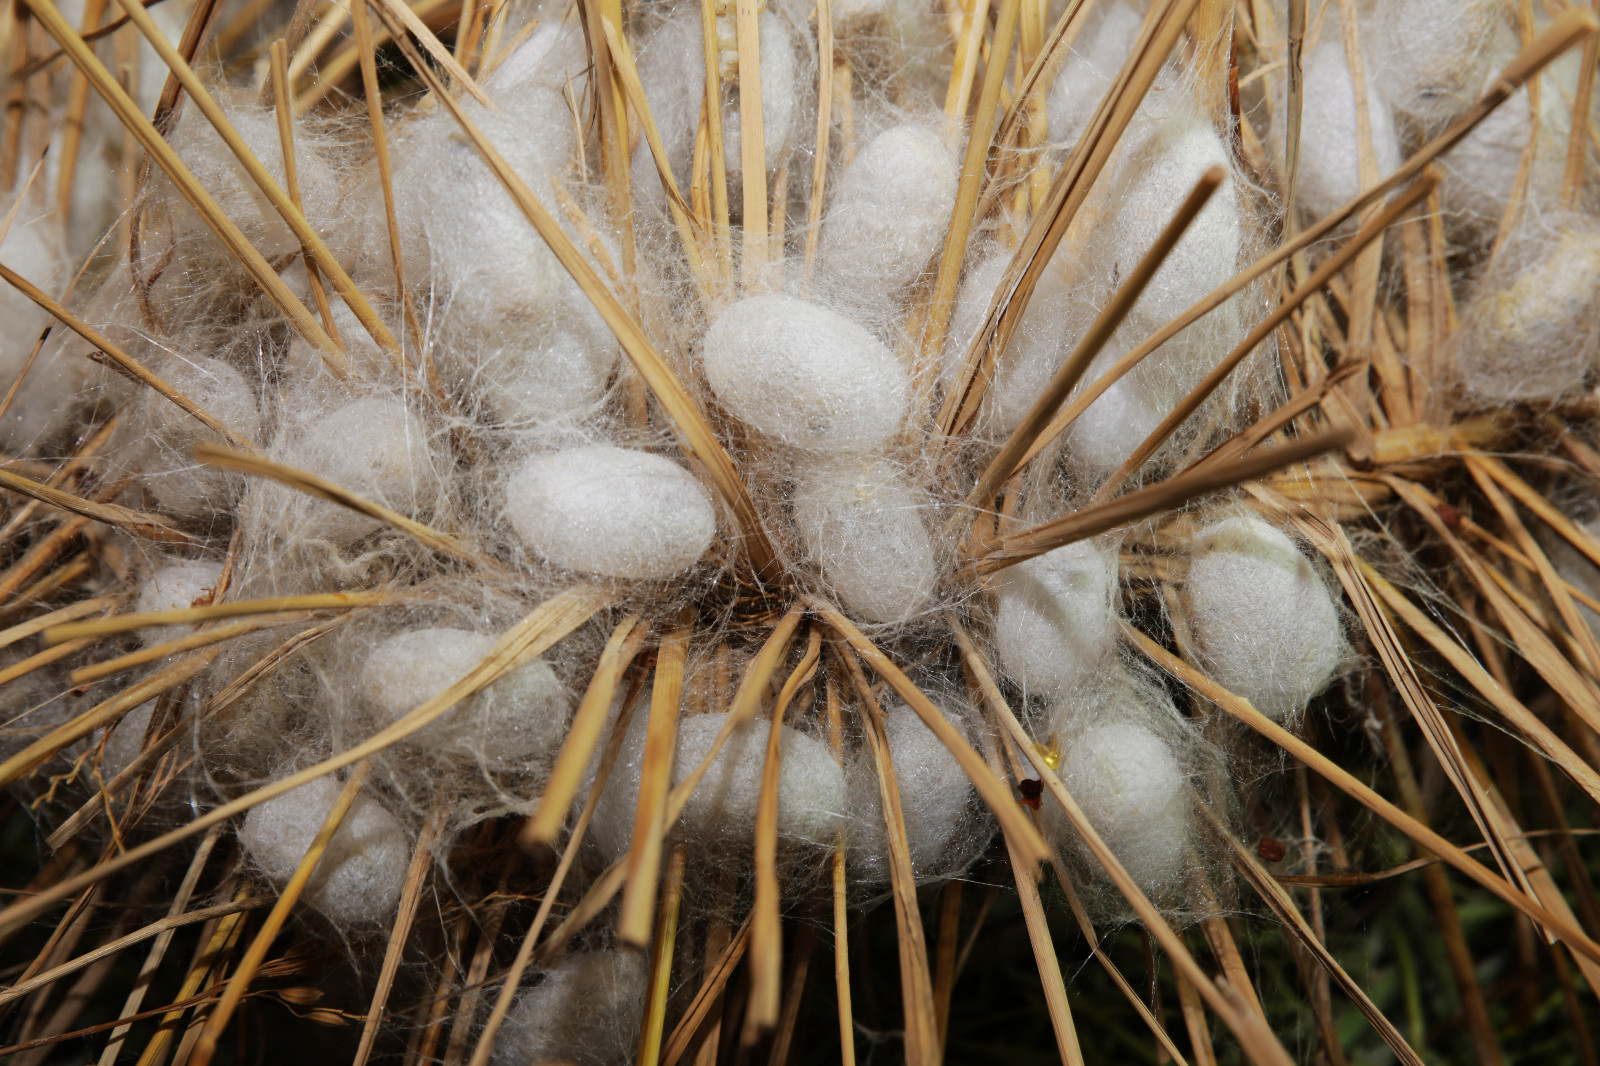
359	878
611	511
513	723
1090	68
1054	619
374	447
935	799
173	587
811	796
1429	57
1329	172
1533	328
862	524
890	210
181	485
1266	626
805	375
586	1010
1132	790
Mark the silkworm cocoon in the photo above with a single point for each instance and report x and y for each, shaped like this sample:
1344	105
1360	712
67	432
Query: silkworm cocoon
543	376
464	232
672	69
1532	330
1113	426
780	99
34	248
374	447
935	799
862	523
811	793
1054	619
181	485
1431	56
513	723
1157	176
1480	173
126	741
811	786
585	1011
359	878
174	586
805	375
1264	622
1132	790
1090	68
1329	171
221	173
890	209
611	511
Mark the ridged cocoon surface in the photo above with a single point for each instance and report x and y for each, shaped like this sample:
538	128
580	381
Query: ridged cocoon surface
806	375
862	523
611	511
1266	626
359	878
1054	620
514	723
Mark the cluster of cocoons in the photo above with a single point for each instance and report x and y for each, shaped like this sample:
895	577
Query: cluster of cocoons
510	420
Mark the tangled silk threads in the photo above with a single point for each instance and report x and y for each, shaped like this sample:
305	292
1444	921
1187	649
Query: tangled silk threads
508	420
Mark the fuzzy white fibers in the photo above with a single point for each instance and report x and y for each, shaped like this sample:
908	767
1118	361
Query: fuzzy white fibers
1429	57
780	99
611	511
1054	617
126	741
1057	316
890	209
375	447
544	377
1113	426
672	71
359	878
498	282
585	1011
722	808
1480	173
861	521
1132	789
1533	326
175	586
1329	172
935	799
224	177
513	724
1152	180
33	247
1090	68
180	484
1266	626
805	375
